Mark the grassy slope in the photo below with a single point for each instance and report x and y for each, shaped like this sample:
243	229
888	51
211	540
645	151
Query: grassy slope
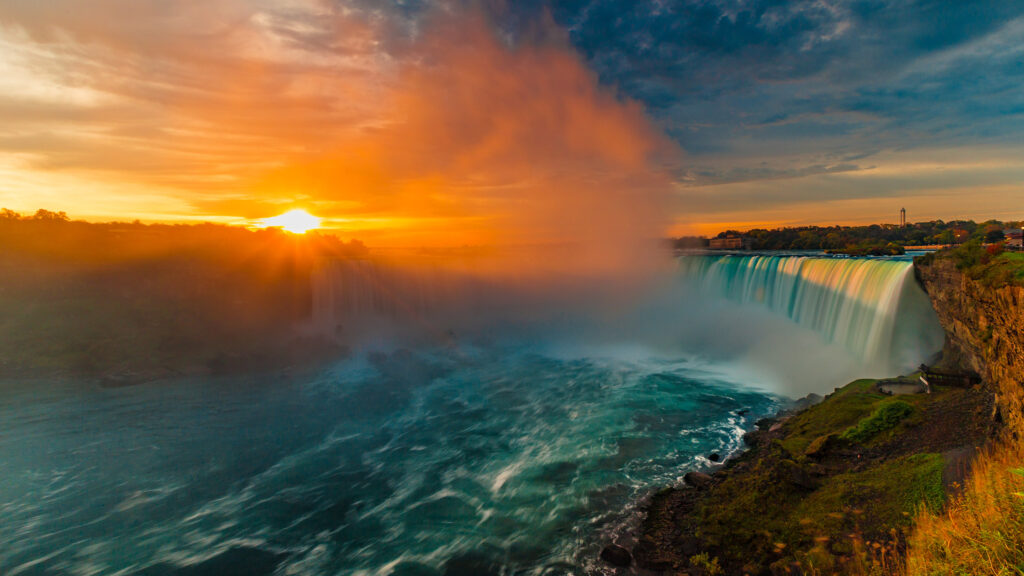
982	530
844	508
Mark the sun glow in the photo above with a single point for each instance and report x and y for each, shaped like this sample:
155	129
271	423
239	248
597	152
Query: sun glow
295	221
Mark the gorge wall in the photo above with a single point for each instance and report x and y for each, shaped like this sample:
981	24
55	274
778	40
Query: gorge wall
984	331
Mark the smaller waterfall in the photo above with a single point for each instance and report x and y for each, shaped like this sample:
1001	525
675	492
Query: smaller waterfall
358	297
872	307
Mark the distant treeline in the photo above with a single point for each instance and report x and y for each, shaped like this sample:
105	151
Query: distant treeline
866	239
133	301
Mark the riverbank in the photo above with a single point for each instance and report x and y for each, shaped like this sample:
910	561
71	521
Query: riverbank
836	487
832	488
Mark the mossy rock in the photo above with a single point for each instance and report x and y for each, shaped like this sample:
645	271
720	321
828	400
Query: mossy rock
823	445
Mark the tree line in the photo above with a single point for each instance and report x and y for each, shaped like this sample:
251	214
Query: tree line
862	238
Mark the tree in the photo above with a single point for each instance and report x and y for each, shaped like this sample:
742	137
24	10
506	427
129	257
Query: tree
48	216
994	235
7	214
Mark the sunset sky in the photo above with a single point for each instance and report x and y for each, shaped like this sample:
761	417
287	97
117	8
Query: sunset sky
414	122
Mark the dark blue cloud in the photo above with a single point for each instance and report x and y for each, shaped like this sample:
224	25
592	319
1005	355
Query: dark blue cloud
811	77
823	78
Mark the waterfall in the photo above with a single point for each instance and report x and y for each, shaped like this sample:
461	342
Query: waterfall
872	311
354	297
872	307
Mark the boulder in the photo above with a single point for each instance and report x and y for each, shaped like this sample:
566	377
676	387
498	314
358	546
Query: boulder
697	479
807	401
690	545
715	457
822	446
797	476
752	438
616	555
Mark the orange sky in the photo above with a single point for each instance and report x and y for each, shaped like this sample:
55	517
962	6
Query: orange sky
466	142
446	134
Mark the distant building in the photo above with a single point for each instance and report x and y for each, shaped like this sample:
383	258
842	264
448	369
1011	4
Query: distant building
729	243
903	218
1014	238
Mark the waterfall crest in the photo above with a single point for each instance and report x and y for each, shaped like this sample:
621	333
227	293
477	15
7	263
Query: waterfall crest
872	311
872	307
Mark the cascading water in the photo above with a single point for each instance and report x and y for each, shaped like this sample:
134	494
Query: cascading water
872	307
358	298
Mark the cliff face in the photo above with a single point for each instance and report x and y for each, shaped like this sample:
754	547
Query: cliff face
984	331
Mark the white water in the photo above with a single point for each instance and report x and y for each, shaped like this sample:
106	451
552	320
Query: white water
872	307
792	324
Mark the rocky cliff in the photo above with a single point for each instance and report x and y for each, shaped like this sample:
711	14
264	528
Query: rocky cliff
984	331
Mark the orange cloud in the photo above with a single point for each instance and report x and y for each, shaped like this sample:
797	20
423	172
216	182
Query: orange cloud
457	137
497	145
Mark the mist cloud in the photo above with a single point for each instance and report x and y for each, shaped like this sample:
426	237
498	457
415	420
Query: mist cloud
447	135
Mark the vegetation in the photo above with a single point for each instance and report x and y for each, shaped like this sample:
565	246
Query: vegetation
982	530
884	418
835	489
876	239
990	265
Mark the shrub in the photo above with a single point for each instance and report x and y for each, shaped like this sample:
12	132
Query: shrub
885	417
710	566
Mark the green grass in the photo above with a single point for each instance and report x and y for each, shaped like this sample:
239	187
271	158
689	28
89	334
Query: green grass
762	516
843	409
992	271
763	519
887	416
892	492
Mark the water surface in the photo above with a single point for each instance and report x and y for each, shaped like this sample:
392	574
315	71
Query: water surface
475	459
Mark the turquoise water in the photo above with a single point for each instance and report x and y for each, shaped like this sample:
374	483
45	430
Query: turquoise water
471	460
507	451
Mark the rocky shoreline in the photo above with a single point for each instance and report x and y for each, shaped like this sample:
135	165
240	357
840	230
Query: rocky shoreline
834	487
808	492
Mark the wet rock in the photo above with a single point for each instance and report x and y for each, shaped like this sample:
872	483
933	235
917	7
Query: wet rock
697	479
742	412
616	555
807	401
715	457
752	438
690	545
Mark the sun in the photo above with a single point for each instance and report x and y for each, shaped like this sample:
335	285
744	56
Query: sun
295	221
